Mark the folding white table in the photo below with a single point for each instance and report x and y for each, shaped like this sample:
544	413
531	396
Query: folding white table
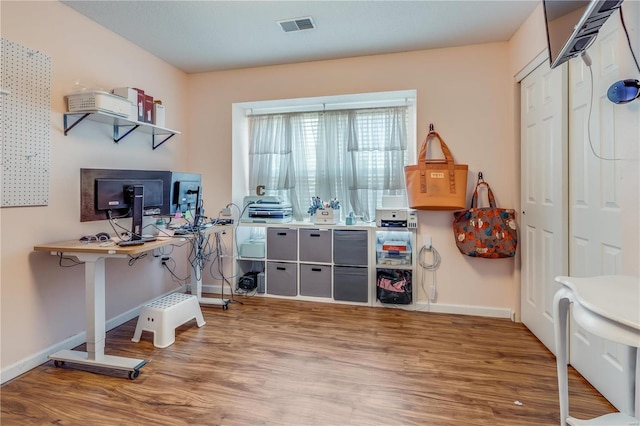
609	307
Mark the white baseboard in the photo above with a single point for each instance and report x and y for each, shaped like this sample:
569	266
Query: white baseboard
481	311
41	357
213	289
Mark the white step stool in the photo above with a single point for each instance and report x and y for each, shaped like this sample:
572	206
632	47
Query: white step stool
163	315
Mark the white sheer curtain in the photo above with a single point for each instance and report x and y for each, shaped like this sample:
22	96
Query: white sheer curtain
355	156
273	160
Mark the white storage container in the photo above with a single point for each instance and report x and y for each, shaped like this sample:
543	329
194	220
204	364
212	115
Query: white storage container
325	216
254	249
158	115
98	101
393	257
128	93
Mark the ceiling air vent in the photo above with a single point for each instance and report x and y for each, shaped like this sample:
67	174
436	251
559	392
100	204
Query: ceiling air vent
296	24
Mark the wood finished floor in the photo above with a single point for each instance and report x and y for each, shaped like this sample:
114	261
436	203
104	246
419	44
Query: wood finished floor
283	362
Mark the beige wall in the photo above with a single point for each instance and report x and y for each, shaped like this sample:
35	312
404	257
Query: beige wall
466	92
41	303
528	42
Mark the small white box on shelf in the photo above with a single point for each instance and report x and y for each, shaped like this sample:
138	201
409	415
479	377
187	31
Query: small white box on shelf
133	113
325	216
158	115
253	249
98	101
128	93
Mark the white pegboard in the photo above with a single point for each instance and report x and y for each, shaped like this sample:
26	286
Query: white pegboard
25	108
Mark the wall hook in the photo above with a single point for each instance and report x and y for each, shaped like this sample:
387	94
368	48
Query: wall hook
431	128
480	177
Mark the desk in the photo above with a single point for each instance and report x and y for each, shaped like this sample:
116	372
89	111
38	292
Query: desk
609	307
93	255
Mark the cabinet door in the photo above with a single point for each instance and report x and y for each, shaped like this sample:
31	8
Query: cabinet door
350	247
282	244
544	219
351	283
315	245
315	280
282	278
596	203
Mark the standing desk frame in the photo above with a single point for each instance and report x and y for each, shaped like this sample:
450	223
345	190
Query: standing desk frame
93	255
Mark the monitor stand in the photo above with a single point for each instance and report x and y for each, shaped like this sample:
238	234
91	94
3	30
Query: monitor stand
137	194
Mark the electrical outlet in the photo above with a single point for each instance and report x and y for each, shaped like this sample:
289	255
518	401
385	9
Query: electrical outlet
426	241
225	212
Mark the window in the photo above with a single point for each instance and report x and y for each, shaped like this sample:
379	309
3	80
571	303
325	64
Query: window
354	152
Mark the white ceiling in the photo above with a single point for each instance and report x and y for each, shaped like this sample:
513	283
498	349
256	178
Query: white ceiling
200	36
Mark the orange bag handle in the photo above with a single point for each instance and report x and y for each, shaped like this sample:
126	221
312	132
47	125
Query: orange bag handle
448	159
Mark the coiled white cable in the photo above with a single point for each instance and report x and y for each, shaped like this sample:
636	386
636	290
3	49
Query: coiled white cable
433	267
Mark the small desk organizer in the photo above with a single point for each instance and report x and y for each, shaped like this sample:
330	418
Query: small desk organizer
164	315
325	216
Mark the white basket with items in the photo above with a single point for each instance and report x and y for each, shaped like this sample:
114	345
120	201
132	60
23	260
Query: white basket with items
98	101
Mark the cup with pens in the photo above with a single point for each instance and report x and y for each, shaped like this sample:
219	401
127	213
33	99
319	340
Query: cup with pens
323	212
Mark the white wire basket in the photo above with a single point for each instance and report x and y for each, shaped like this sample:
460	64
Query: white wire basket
98	101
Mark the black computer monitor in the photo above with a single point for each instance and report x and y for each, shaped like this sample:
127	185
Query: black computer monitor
186	194
130	197
109	193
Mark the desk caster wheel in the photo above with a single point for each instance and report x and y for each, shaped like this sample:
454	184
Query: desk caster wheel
133	374
225	306
57	363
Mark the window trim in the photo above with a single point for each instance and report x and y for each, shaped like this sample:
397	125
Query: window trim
240	129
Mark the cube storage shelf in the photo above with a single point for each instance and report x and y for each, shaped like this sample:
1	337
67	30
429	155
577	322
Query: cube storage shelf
327	263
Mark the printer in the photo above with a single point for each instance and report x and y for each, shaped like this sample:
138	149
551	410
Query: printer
266	209
396	218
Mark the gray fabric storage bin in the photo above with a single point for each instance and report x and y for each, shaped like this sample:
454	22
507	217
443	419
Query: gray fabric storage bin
315	245
351	283
315	280
282	243
350	247
282	278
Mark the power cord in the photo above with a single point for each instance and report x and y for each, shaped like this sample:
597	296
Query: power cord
73	261
587	61
432	267
624	27
219	258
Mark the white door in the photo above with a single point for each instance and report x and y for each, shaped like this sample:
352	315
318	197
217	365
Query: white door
595	221
544	223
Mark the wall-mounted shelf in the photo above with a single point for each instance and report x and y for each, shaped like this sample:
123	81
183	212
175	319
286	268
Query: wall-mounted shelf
121	126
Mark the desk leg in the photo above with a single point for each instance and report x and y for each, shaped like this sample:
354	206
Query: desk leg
196	288
95	312
95	322
561	303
